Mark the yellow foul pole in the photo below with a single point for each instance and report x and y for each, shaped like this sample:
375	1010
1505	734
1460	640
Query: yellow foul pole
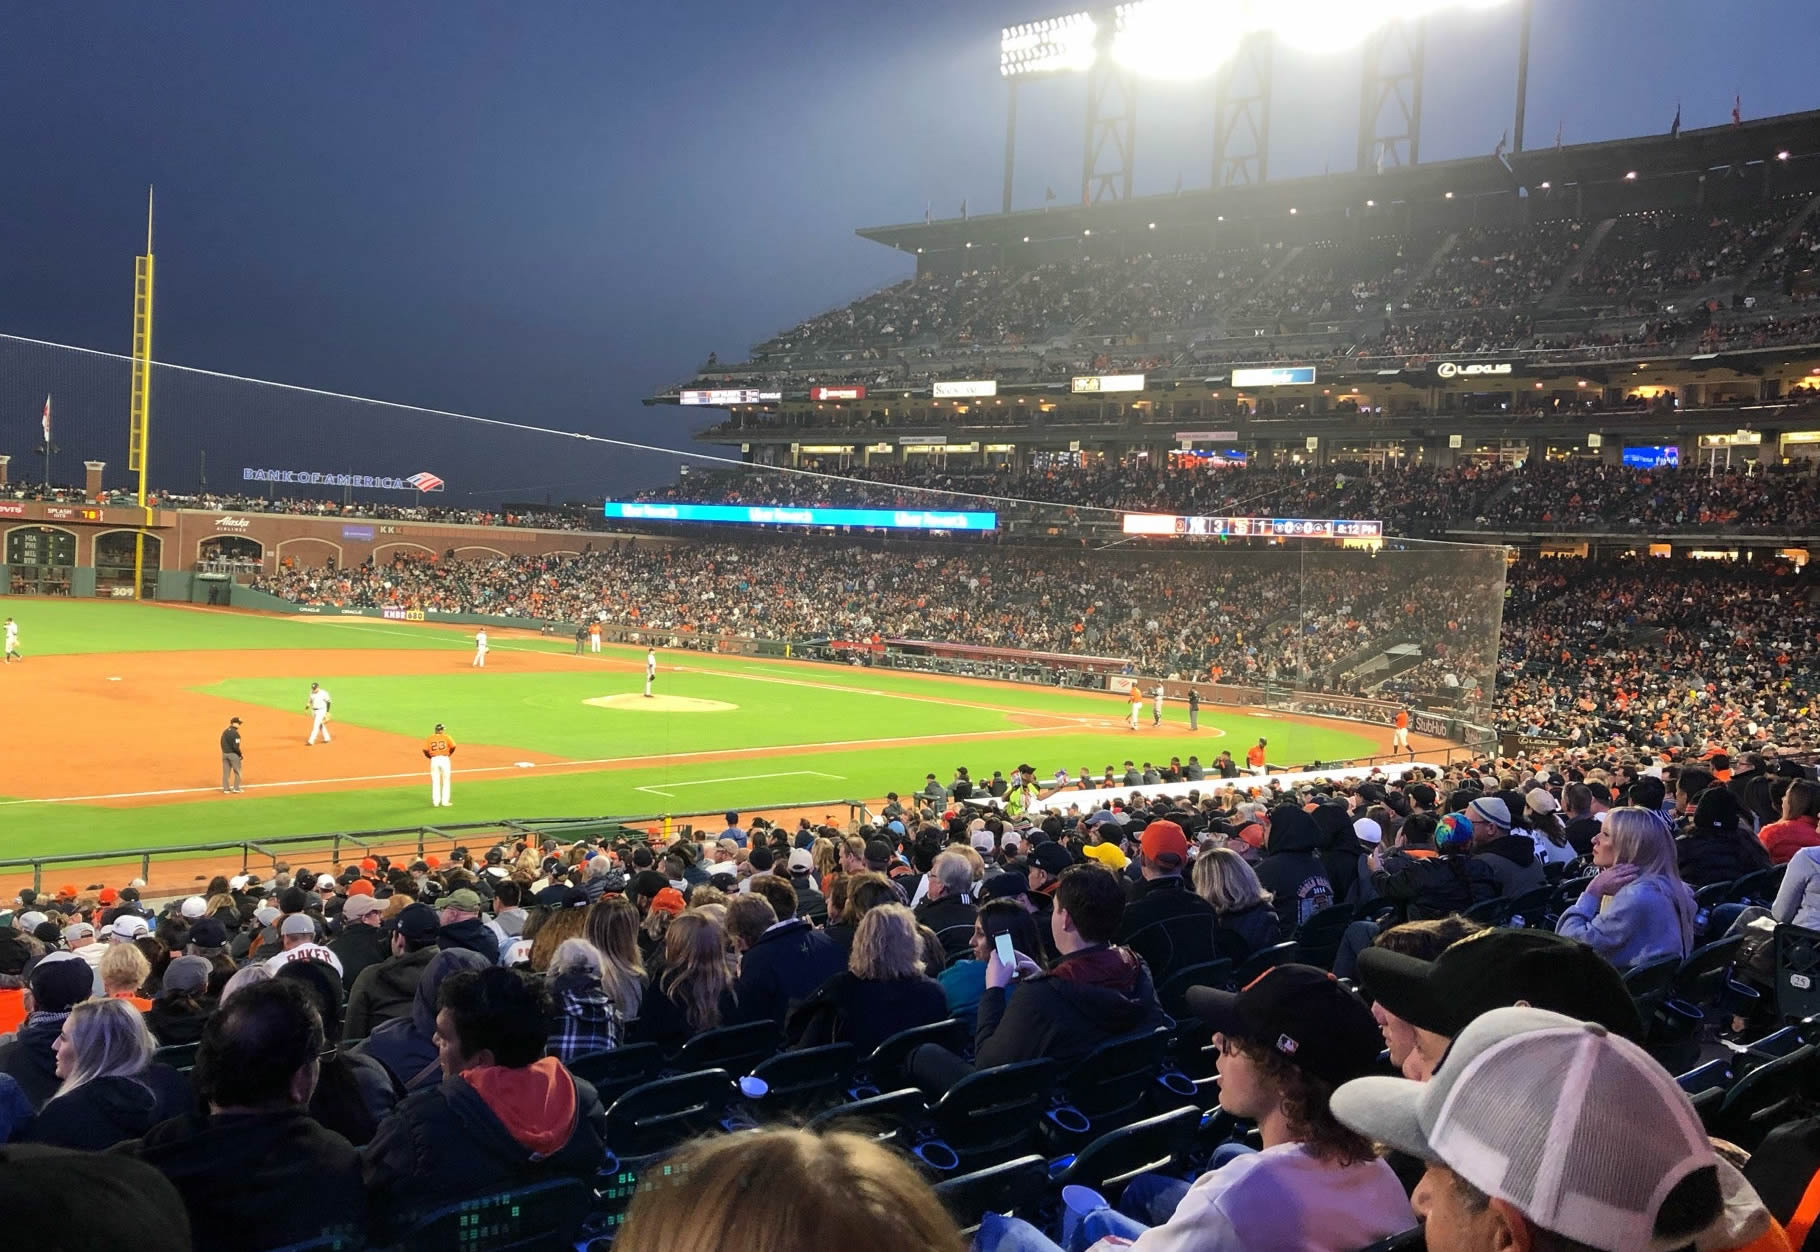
140	404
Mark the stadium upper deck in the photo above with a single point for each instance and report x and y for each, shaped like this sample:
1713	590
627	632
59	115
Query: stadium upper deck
1657	289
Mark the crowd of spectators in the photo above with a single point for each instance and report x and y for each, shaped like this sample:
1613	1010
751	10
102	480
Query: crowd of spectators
1499	267
408	1035
1657	252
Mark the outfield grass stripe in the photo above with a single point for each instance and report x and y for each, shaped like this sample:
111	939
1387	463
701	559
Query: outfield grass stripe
667	790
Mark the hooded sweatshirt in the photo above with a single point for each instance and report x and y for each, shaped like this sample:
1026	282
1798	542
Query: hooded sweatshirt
407	1046
1089	997
106	1111
1511	858
486	1129
1292	871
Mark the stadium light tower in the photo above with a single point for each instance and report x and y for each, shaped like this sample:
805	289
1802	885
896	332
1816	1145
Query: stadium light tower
1233	43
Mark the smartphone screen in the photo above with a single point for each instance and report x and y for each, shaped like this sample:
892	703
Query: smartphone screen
1007	957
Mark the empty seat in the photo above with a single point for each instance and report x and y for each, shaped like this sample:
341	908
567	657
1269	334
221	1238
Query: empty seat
805	1080
659	1115
1317	940
1763	1098
992	1114
890	1118
1702	976
616	1071
1012	1188
1263	959
884	1069
1797	972
179	1056
1111	1083
735	1049
1118	1156
1172	993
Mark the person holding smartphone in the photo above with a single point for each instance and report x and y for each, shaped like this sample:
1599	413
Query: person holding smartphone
1004	926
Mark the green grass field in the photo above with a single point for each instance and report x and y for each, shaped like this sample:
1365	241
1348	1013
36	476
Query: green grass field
826	732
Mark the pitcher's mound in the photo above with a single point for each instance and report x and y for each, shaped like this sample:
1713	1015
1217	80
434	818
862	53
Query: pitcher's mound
659	704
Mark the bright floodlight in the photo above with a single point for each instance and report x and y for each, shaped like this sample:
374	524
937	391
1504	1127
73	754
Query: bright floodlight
1183	39
1194	38
1051	46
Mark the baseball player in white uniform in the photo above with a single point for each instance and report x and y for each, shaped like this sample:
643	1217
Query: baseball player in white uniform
12	642
480	649
1156	706
650	669
318	706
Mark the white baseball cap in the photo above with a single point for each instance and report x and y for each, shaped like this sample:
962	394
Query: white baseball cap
28	922
1577	1128
1367	830
266	914
359	906
194	907
801	859
128	927
982	840
238	882
78	930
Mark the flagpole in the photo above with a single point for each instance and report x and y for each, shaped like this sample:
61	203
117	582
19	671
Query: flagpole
1522	75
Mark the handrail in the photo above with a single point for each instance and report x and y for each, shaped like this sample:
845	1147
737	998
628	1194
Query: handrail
424	837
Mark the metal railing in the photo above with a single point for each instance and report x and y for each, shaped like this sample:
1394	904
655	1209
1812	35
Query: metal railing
441	838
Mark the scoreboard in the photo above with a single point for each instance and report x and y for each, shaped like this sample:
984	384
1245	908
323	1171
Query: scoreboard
40	546
1253	527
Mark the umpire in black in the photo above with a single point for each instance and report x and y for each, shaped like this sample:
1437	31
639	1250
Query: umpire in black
230	757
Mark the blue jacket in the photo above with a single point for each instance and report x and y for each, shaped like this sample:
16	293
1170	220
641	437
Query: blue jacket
1649	918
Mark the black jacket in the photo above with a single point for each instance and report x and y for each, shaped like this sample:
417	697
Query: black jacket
865	1012
385	991
31	1056
1169	926
446	1144
811	905
1245	931
106	1111
1433	886
1068	1012
239	1173
471	934
1291	869
358	947
173	1021
1711	856
783	969
951	918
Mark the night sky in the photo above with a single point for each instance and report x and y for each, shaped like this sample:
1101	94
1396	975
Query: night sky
545	210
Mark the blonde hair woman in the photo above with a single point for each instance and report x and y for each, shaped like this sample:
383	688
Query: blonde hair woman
1244	916
884	989
1636	909
110	1091
695	991
612	927
784	1190
124	971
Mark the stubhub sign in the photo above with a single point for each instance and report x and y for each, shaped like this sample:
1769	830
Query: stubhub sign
762	515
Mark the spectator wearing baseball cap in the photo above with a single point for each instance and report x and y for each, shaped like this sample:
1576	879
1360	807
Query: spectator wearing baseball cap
1165	922
384	992
1499	967
297	939
359	944
55	984
1044	866
1542	1131
811	905
1285	1042
463	927
181	1008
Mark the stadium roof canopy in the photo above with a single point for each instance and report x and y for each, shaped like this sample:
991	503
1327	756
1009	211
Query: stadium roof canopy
1643	160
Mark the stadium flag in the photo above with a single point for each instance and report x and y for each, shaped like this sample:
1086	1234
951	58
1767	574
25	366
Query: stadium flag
425	481
1674	127
1048	194
1559	127
963	210
1178	184
1737	110
1382	148
1498	152
47	419
928	207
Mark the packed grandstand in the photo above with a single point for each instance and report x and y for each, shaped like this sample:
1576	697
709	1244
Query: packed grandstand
1192	1004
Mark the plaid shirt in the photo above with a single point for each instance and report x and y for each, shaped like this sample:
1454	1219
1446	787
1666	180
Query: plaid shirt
586	1018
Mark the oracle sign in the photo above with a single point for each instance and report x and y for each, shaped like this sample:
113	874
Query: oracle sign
1479	369
837	393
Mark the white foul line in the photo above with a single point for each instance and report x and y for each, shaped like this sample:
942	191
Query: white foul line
702	782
